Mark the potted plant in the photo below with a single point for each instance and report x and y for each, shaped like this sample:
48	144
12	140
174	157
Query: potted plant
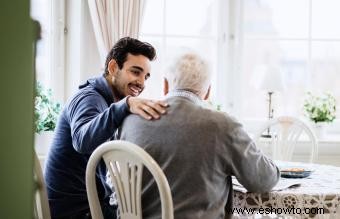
320	110
46	114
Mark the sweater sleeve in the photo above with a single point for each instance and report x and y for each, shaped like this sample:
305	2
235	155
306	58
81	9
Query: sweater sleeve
255	171
93	122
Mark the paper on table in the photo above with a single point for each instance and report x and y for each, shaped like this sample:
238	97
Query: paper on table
281	185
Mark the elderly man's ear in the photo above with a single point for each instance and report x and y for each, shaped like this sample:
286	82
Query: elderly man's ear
165	86
208	93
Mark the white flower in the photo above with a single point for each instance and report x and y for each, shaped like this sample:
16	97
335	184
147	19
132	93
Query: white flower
320	108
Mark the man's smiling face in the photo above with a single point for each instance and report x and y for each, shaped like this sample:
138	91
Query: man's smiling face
130	79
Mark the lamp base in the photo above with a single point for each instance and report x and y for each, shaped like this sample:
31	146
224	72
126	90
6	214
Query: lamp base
266	136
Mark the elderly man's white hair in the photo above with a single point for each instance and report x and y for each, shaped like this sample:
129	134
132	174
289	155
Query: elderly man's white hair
189	72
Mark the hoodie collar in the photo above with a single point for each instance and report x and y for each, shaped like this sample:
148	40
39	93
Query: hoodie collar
101	85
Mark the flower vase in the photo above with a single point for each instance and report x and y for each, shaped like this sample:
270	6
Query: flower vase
320	129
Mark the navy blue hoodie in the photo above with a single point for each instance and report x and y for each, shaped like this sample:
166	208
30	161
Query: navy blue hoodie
89	118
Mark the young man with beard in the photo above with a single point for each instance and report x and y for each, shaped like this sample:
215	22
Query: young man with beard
90	118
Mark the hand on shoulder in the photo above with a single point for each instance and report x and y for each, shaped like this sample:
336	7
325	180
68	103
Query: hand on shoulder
148	109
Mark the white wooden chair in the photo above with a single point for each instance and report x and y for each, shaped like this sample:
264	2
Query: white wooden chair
285	133
41	206
125	162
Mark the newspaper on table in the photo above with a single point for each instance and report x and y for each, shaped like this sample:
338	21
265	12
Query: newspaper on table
281	185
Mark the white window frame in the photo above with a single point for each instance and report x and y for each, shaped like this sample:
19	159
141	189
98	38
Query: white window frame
220	39
236	39
58	47
53	74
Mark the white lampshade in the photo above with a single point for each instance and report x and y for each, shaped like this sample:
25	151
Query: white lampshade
269	78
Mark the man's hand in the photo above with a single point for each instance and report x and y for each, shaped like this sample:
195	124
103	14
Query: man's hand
148	109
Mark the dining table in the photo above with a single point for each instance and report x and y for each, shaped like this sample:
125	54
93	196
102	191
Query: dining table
320	190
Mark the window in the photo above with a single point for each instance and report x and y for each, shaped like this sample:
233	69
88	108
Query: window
173	26
40	10
50	57
300	39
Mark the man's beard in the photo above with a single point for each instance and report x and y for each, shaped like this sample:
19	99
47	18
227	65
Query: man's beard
118	89
117	94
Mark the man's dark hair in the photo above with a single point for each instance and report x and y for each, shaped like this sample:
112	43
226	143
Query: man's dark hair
130	45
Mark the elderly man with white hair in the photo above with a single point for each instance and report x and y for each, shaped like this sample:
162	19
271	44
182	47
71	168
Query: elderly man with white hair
199	149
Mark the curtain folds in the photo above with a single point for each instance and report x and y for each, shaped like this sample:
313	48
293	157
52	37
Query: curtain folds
114	19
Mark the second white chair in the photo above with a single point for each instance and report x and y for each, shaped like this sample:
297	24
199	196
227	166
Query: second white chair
41	205
125	162
285	133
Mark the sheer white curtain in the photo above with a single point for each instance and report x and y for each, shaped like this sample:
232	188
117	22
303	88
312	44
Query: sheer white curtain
113	19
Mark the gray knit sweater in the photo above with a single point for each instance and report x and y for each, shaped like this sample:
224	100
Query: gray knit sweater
199	150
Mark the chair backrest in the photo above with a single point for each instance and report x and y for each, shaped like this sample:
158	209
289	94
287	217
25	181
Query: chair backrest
125	162
41	206
284	134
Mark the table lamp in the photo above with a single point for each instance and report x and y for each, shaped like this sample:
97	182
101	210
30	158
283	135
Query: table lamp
271	81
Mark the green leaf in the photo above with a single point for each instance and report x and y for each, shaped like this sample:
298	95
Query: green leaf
46	109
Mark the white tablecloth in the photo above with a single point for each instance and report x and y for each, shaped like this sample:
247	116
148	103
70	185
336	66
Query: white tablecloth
320	190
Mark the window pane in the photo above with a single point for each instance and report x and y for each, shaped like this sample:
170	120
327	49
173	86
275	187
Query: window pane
195	30
287	57
326	18
40	11
175	47
153	17
191	17
279	18
326	69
